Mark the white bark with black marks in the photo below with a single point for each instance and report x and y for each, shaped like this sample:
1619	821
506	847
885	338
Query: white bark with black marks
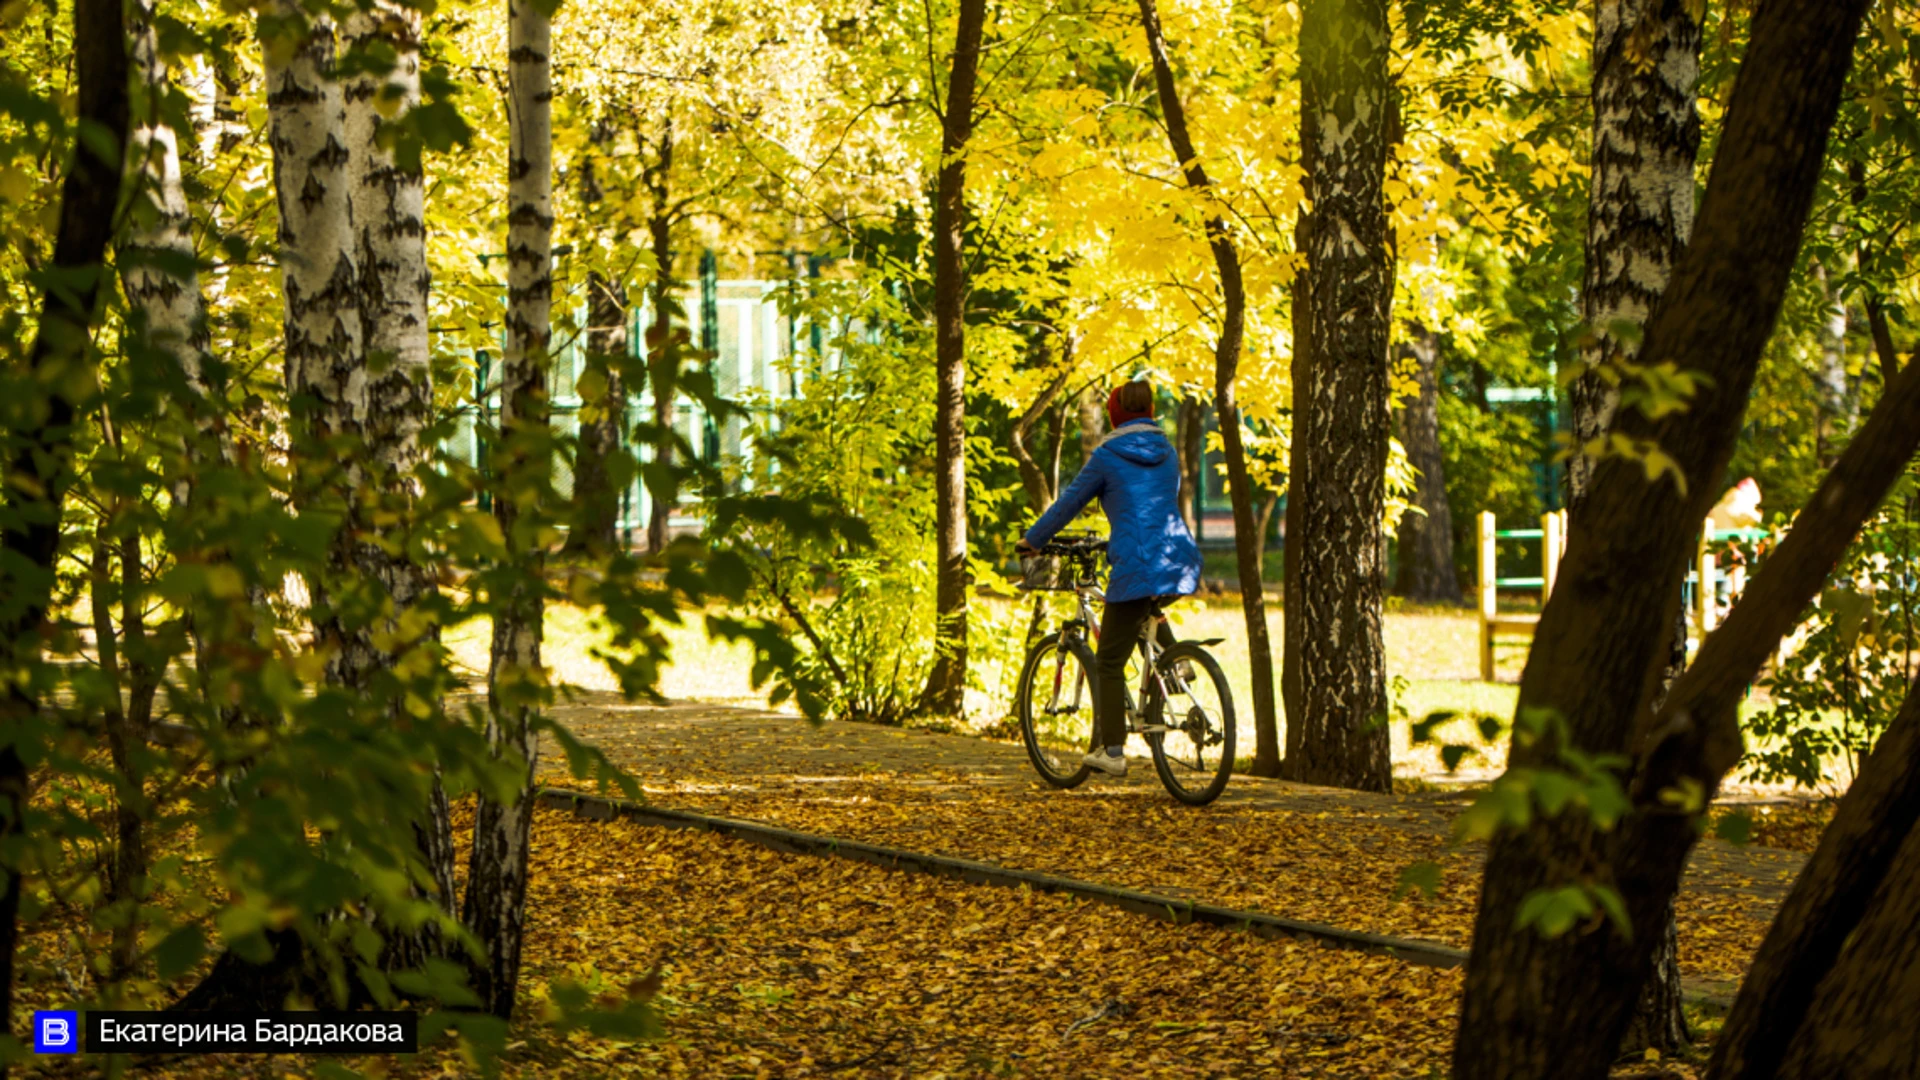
325	356
1334	663
318	247
1646	139
496	900
389	215
157	261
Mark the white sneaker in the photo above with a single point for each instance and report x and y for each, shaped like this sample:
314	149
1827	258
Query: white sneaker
1106	763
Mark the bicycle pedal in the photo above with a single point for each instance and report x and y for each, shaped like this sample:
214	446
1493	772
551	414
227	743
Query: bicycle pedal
1154	729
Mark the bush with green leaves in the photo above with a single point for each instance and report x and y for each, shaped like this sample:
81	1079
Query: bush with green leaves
1841	686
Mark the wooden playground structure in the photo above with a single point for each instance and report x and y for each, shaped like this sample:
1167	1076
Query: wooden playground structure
1703	604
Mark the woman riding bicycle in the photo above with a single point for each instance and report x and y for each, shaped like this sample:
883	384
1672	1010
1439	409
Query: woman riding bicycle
1136	476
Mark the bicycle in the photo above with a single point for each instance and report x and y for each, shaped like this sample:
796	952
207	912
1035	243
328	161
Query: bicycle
1056	700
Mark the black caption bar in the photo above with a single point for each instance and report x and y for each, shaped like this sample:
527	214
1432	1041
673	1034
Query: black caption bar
126	1032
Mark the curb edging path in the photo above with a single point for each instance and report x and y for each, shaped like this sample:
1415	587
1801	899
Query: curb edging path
1165	908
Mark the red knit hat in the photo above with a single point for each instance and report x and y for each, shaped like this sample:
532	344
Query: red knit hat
1118	414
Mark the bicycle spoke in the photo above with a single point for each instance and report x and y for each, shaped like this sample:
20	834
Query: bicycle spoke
1194	750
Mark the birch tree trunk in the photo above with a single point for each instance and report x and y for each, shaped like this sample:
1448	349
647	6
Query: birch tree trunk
42	447
389	215
160	275
1646	139
946	688
1335	659
496	898
325	357
1427	571
157	261
1226	366
326	382
1543	1007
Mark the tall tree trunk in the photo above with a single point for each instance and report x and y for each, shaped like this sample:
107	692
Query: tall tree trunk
1093	422
1646	138
1263	522
1335	656
496	901
129	725
325	356
326	380
662	348
389	214
1548	1007
596	495
42	444
1427	570
168	316
1226	365
946	688
157	256
1190	441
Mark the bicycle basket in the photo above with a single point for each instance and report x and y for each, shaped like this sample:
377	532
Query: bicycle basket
1045	573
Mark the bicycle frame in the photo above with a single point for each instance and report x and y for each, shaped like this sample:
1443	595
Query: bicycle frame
1087	592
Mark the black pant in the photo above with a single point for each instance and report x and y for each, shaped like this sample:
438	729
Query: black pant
1120	628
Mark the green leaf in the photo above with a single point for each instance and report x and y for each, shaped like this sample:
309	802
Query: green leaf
1616	908
1553	790
1423	876
730	575
1553	912
179	951
1734	828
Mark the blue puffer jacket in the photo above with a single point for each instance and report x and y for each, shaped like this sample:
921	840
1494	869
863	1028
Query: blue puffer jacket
1136	476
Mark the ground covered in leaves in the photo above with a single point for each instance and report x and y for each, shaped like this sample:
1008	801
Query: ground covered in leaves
773	965
778	965
1339	869
1311	854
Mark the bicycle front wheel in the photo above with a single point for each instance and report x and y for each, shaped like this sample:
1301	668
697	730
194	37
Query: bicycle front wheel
1190	724
1055	701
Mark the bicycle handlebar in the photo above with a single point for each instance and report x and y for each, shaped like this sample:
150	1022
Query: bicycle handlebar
1078	545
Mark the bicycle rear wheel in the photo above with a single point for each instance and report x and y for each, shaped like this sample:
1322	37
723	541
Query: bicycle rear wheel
1055	702
1193	746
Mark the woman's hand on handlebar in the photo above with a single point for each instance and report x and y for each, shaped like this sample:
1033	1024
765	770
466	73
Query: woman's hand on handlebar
1024	548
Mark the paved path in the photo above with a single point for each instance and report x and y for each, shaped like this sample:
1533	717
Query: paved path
684	754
